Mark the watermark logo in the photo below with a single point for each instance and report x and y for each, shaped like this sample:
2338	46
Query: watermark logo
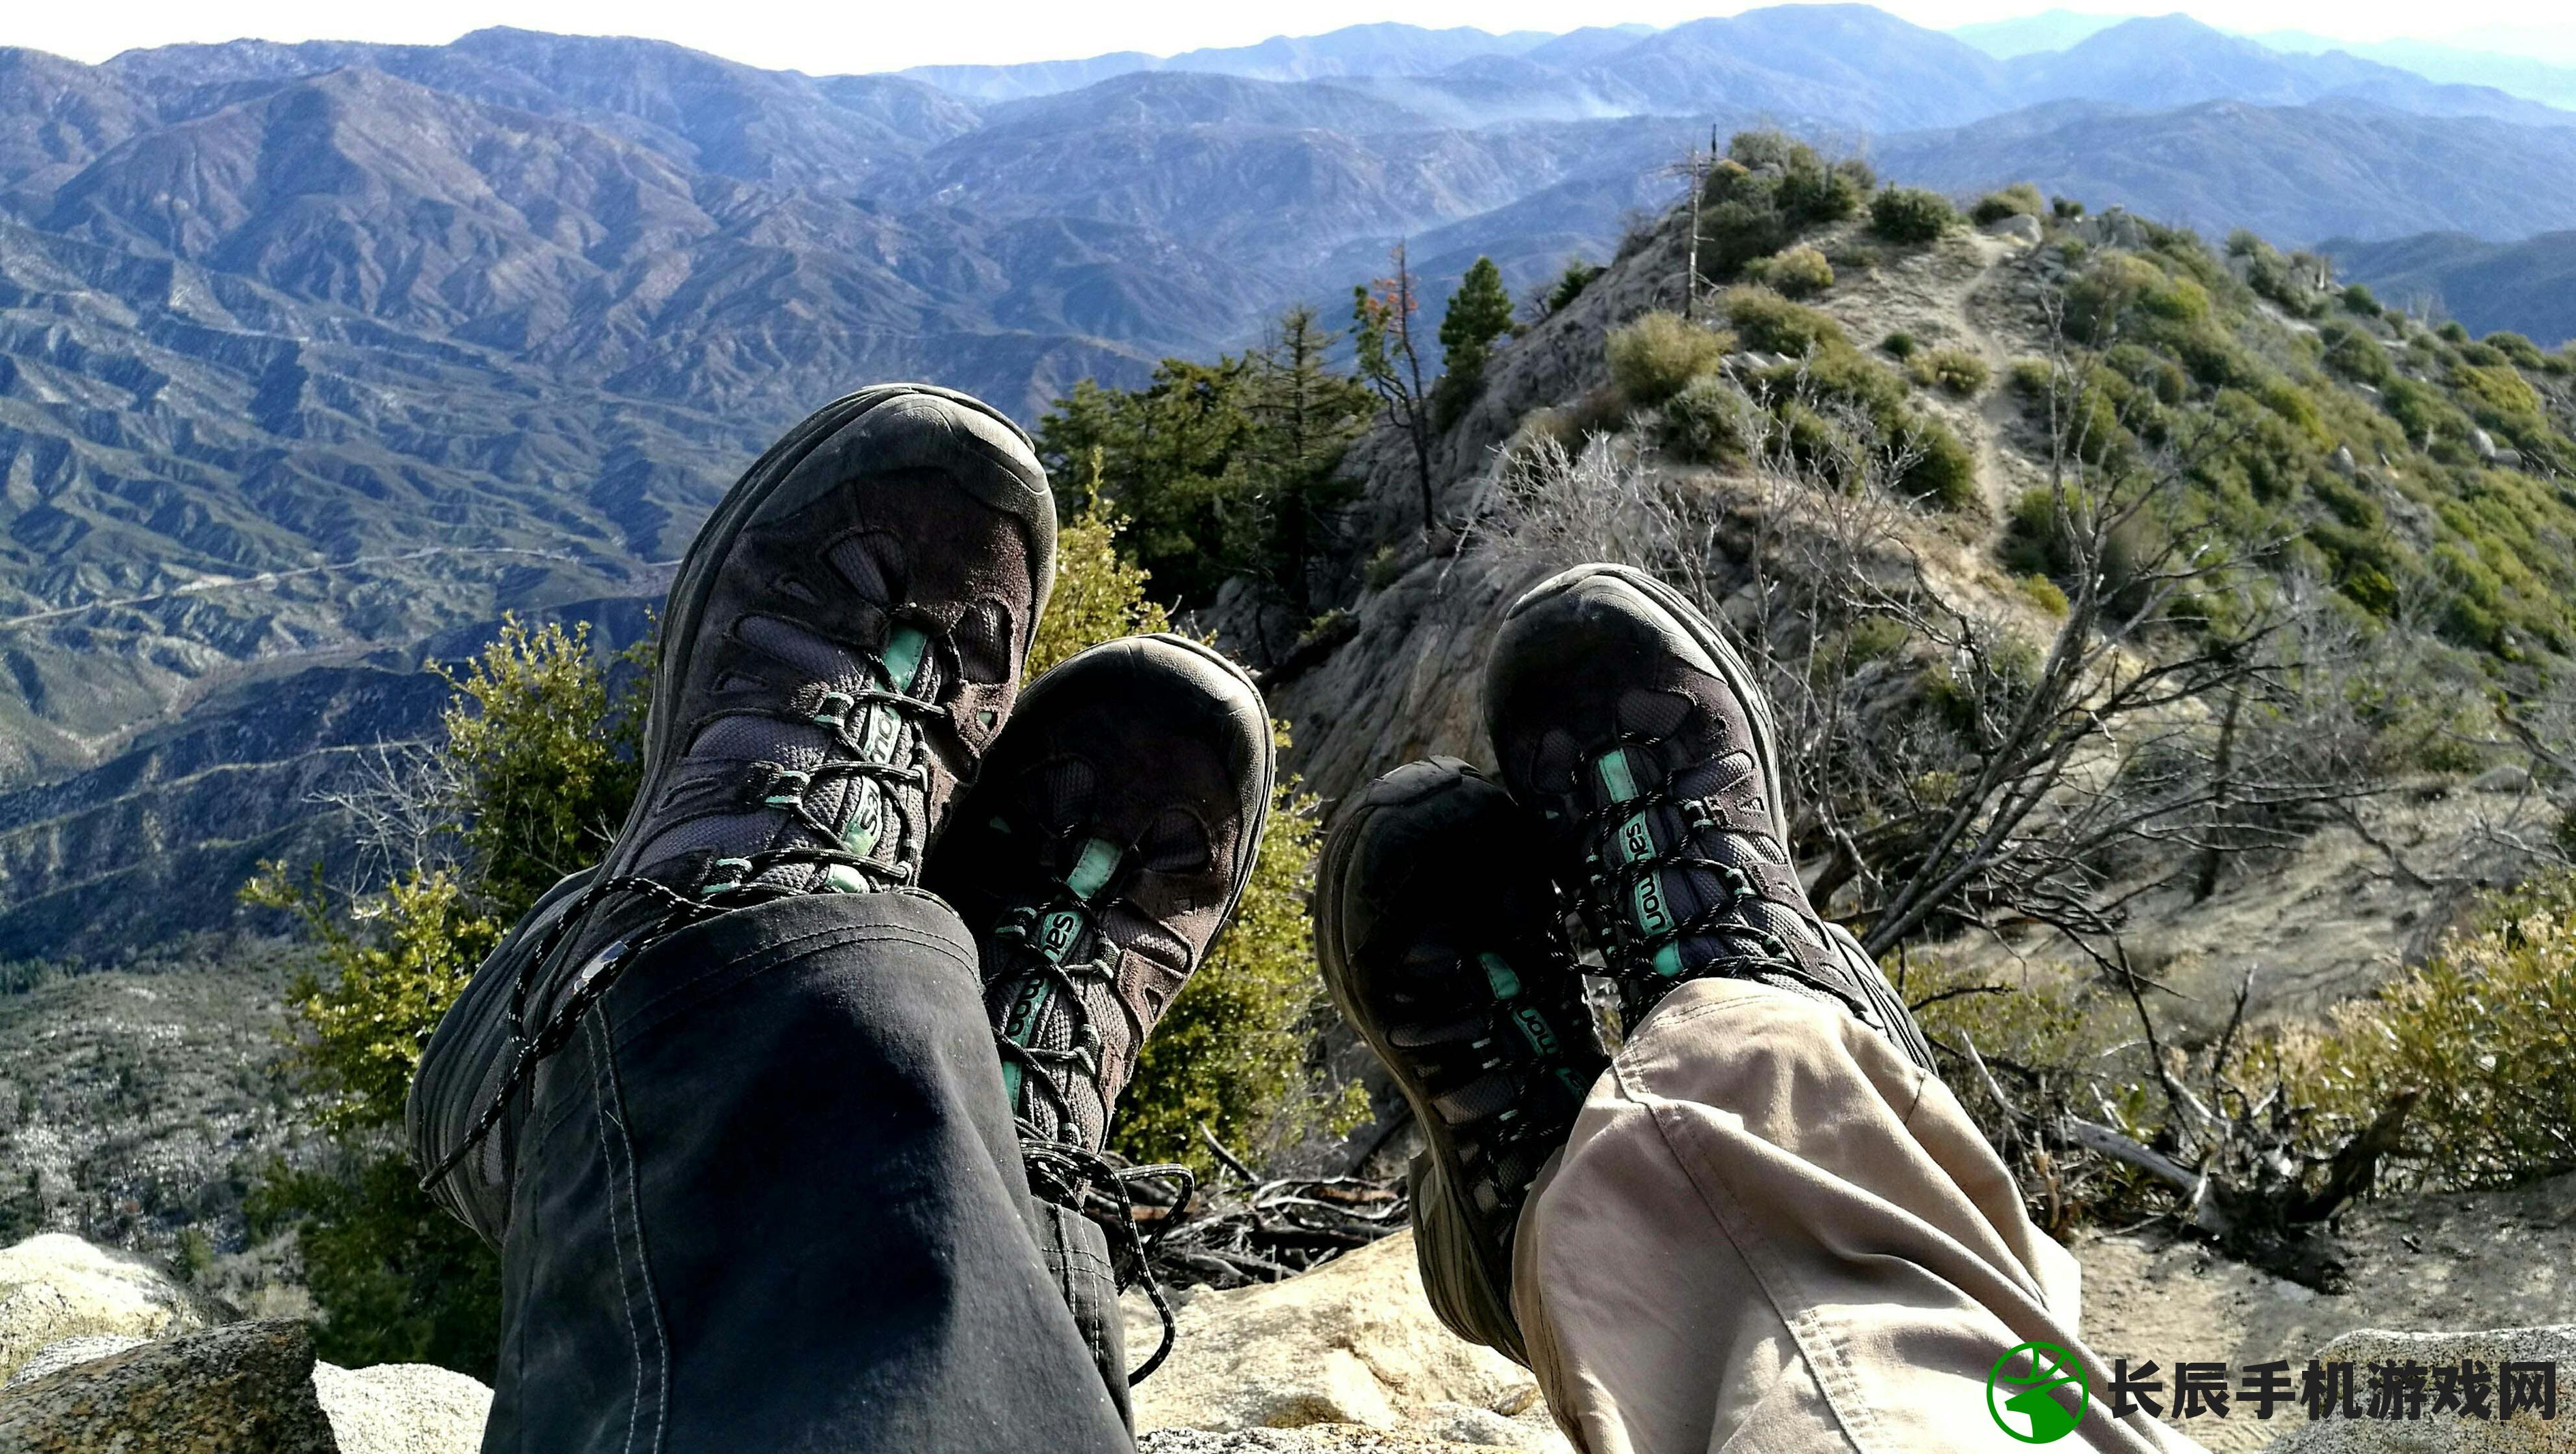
2023	1393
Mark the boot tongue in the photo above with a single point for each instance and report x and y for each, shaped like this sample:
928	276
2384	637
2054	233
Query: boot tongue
1038	1017
1658	903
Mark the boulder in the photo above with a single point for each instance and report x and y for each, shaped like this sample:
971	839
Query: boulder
53	1358
2446	1432
1353	1343
403	1408
242	1389
55	1286
2020	227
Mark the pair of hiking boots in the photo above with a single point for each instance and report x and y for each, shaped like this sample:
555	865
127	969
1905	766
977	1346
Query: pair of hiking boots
838	709
1637	818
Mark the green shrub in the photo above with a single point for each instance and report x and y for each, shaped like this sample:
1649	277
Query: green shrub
2516	348
2043	593
2021	199
1766	192
1709	422
1952	370
1569	285
2356	355
1654	354
2359	299
1764	320
1799	272
1943	471
1898	346
1911	215
2484	1034
2066	209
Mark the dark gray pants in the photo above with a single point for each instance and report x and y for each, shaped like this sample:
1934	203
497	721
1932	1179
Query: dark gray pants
770	1198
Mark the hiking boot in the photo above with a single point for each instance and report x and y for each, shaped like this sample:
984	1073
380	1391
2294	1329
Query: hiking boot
841	644
1107	843
1620	715
1438	933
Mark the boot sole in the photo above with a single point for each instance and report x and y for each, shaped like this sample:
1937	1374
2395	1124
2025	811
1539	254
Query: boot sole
1333	957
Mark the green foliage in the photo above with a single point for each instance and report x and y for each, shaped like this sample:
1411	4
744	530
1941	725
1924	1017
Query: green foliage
1167	463
1479	312
1230	1053
1765	193
547	762
1217	469
1911	215
2484	1034
1899	346
1099	595
2021	199
2357	298
1797	272
2356	355
537	736
2065	209
397	1279
1941	468
1578	275
389	966
1766	321
1653	355
1709	422
1952	370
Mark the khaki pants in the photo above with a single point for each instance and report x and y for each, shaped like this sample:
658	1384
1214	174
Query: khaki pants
1769	1231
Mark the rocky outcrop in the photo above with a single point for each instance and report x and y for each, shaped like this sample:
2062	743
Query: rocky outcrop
55	1287
1353	1343
2449	1431
403	1408
242	1389
103	1350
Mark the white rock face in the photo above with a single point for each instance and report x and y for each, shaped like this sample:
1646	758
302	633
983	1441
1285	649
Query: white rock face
71	1353
403	1408
2445	1433
1351	1343
55	1286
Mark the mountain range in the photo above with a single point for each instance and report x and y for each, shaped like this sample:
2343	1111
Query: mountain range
316	358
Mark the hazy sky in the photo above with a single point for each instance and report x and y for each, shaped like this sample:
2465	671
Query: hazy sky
873	35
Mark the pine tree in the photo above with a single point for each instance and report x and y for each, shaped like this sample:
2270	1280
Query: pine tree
1304	416
1479	312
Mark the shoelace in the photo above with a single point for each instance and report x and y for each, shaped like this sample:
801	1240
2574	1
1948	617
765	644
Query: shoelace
844	871
1080	1179
1060	1168
1646	960
1537	1059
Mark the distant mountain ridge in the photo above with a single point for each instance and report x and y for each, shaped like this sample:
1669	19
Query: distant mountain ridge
316	358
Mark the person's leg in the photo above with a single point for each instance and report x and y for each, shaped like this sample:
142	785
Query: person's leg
1838	1258
770	1197
1772	1226
730	1104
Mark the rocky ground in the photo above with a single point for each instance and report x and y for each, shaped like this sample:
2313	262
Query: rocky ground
97	1346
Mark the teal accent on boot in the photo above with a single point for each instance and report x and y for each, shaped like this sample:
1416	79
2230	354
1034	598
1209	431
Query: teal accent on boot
901	660
1668	961
1507	985
1616	778
1099	860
